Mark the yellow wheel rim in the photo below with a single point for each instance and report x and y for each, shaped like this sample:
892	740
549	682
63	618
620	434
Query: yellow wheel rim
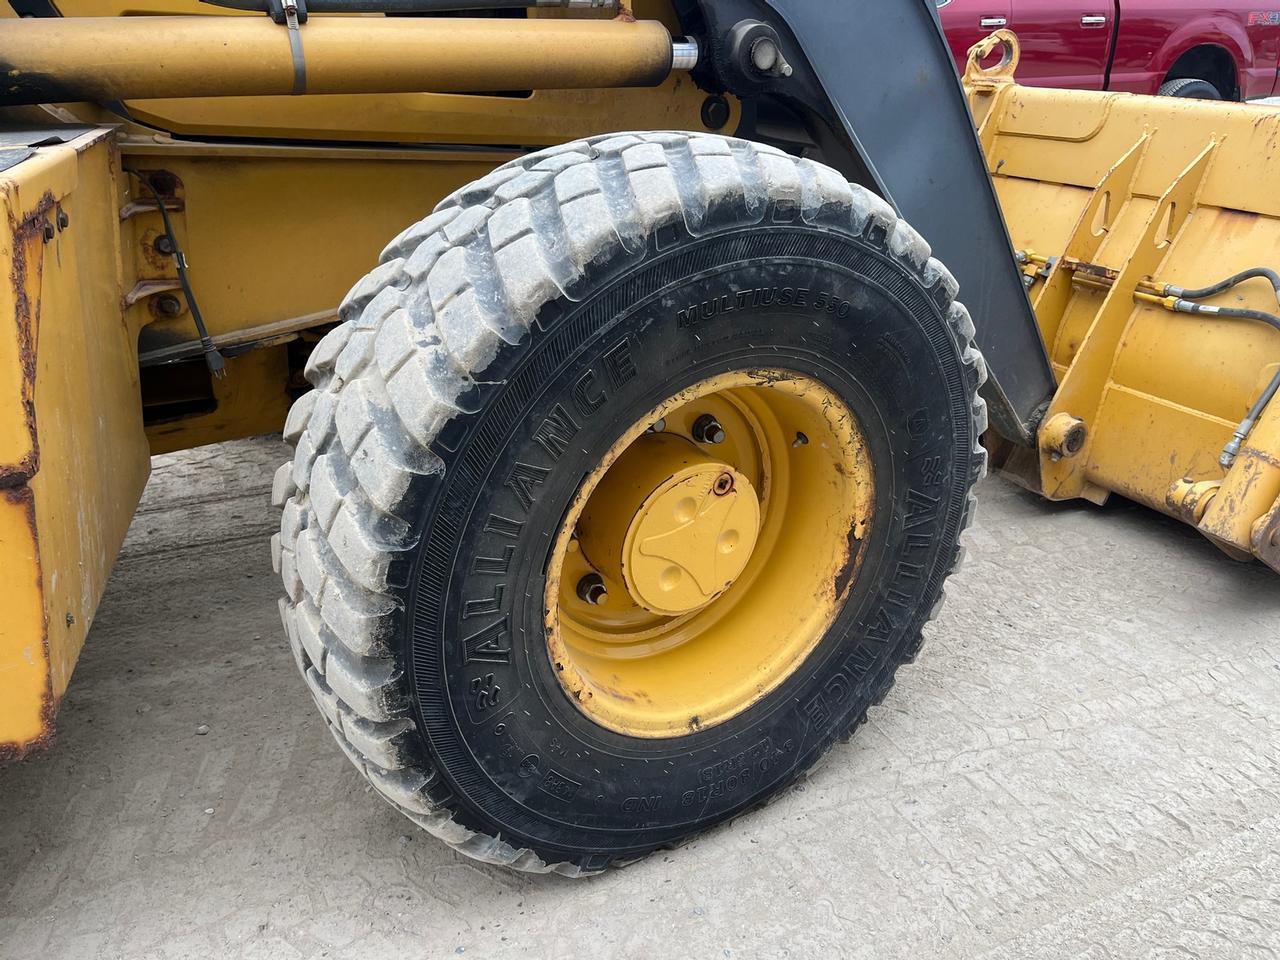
708	553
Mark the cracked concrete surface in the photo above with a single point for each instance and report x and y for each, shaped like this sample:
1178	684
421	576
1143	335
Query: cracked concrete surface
1084	763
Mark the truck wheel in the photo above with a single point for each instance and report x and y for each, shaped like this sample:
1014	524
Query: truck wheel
1190	88
628	480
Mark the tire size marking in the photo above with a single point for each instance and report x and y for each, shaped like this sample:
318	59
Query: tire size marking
736	773
819	301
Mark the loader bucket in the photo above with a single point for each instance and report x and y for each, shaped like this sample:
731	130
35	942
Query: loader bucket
1117	205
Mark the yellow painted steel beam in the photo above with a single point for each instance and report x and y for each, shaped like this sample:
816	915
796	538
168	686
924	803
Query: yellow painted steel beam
541	116
123	58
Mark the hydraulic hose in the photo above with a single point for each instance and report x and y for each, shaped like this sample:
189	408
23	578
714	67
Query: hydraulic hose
1205	292
1181	300
1173	302
212	358
1182	305
1232	449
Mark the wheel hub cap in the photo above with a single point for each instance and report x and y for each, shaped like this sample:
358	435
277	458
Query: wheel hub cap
690	539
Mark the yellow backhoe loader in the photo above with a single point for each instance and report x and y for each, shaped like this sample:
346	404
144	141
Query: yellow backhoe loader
626	479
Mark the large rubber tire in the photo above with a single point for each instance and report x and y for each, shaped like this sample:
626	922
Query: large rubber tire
1190	88
607	262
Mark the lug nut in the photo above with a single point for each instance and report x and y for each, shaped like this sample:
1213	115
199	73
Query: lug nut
707	429
591	589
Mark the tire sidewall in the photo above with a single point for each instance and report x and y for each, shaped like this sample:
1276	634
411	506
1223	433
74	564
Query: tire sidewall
520	758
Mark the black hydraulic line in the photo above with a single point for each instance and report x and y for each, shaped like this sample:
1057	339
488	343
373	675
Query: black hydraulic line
1205	292
412	6
1183	305
212	358
1267	396
1232	449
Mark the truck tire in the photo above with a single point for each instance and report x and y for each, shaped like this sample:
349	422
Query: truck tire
1191	88
629	478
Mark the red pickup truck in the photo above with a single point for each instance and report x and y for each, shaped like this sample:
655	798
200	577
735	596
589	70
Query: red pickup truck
1225	50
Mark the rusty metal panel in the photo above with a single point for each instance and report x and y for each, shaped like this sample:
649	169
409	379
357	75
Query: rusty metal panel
73	457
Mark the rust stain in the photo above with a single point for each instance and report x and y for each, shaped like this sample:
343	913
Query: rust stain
853	552
159	262
25	278
1255	454
23	498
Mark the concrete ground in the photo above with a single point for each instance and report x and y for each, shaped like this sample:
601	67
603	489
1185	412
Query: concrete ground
1085	762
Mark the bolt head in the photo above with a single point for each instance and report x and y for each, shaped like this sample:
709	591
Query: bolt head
591	589
715	113
168	305
707	429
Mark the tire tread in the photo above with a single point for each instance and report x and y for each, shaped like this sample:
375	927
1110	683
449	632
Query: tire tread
419	330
